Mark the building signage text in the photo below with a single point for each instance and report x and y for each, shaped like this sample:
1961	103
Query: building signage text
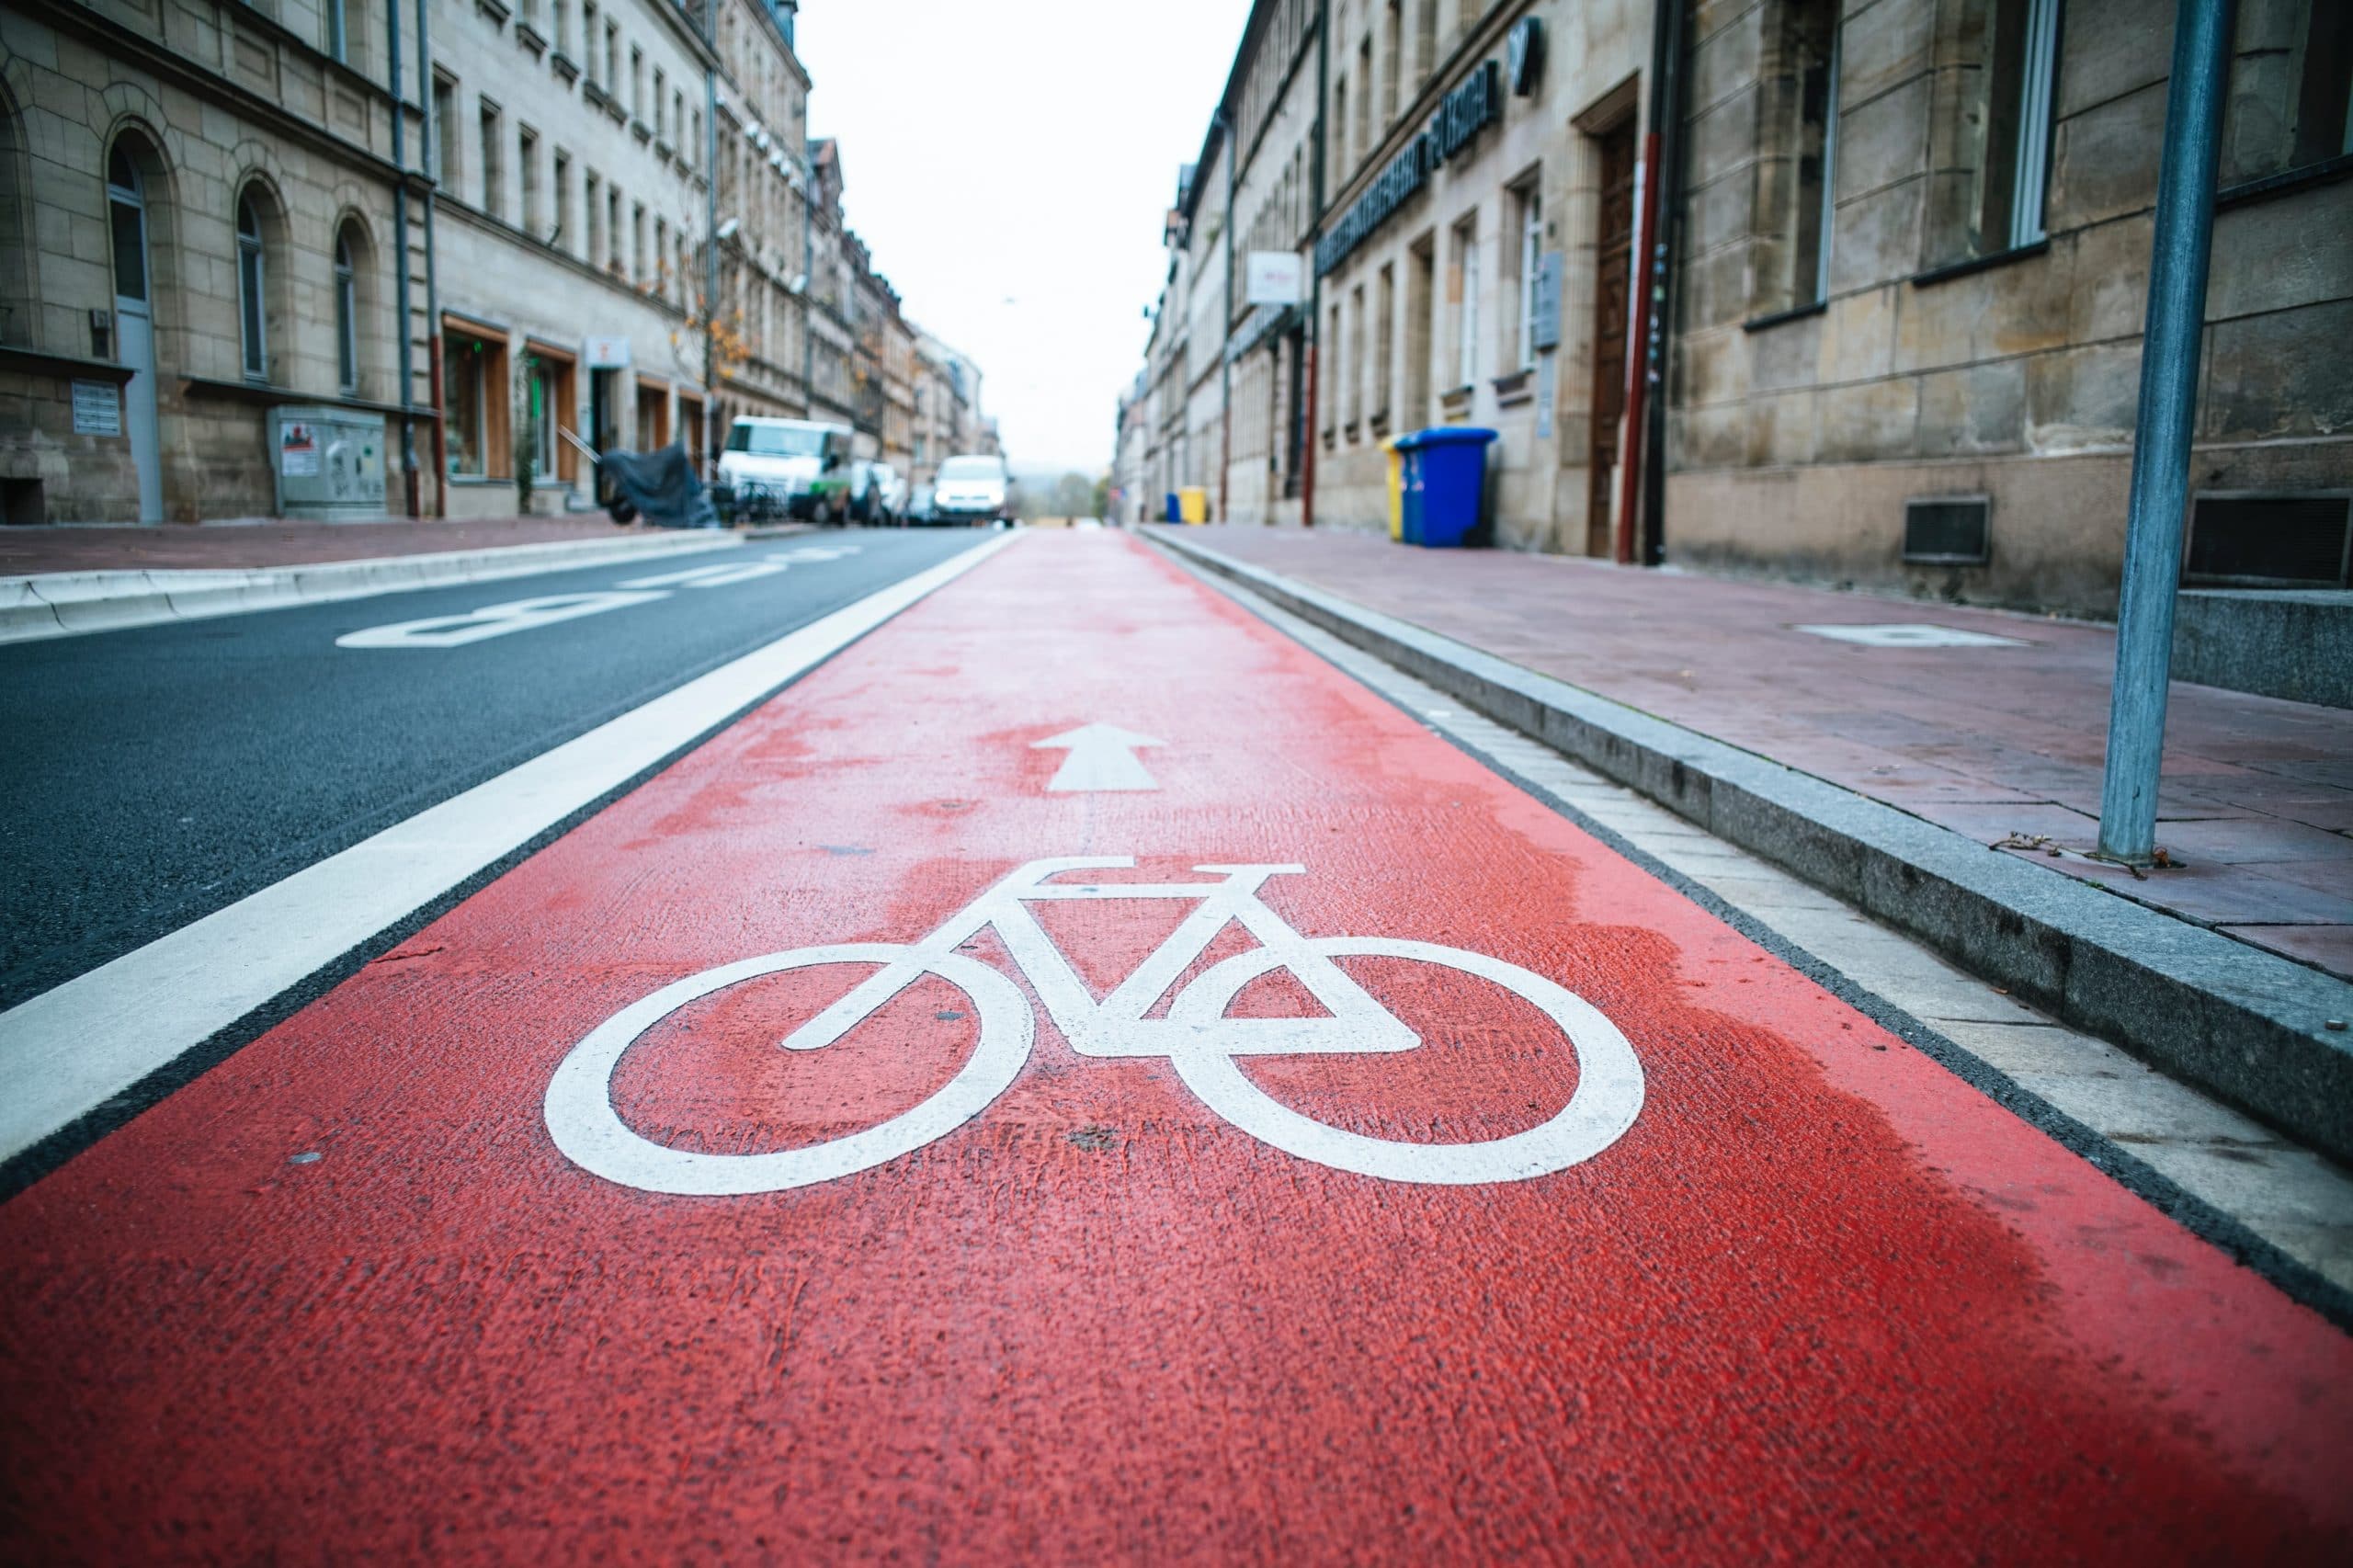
1468	109
98	408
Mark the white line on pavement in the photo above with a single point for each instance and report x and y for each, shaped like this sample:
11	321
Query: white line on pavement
70	1050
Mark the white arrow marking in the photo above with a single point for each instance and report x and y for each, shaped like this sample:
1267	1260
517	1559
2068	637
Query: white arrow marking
1102	756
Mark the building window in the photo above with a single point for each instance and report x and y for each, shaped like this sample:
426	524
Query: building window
612	57
338	44
1392	24
694	154
2290	106
2021	51
1462	292
1339	127
660	91
1356	360
1364	95
613	231
596	235
527	169
494	171
444	133
346	317
588	41
540	410
562	19
1529	201
561	181
1426	38
1331	372
1384	341
252	279
636	82
637	252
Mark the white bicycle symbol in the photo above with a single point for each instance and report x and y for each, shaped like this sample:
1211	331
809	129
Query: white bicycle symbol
1197	1040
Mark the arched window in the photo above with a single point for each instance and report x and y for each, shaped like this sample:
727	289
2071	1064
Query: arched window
251	309
346	317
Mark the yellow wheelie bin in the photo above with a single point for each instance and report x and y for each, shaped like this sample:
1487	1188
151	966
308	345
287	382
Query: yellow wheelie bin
1194	502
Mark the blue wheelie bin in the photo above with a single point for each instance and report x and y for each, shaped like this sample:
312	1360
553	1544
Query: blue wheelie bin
1446	474
1174	509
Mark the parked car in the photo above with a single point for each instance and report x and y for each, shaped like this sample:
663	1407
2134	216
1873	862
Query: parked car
919	504
973	489
877	493
787	467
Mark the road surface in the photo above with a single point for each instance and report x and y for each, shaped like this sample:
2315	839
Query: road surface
784	1163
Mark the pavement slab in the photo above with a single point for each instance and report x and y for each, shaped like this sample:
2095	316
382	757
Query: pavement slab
1693	1259
2023	722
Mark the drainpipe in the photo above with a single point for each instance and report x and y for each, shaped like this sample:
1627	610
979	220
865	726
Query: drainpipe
400	251
428	142
1226	329
2169	344
1666	130
808	278
1315	276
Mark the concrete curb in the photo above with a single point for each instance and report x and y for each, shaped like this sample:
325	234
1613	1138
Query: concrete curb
2242	1023
61	603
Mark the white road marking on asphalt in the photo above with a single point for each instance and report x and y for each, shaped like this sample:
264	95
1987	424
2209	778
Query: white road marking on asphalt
1102	757
1914	634
818	553
70	1050
710	576
491	621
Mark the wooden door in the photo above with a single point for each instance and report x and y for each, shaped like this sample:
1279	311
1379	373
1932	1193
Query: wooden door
1613	258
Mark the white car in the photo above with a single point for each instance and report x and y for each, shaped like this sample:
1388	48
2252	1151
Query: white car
796	467
972	490
878	494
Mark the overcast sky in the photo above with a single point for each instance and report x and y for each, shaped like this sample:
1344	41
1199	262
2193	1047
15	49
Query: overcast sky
1008	163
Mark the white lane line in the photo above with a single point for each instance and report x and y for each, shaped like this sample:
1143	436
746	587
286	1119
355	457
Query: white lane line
709	576
68	1051
491	621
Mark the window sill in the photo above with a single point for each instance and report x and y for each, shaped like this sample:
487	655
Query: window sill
2327	172
565	66
1935	275
530	38
1796	313
642	131
1516	388
1456	399
496	12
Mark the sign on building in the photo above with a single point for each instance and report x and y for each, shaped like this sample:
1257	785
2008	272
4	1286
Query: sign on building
1273	278
98	408
606	353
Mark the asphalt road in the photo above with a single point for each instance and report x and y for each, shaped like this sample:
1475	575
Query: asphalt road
156	775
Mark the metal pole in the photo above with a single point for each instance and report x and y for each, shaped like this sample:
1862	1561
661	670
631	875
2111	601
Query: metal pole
710	245
429	143
401	262
1315	279
2169	345
1225	331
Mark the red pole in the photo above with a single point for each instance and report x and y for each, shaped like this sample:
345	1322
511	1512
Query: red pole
1638	337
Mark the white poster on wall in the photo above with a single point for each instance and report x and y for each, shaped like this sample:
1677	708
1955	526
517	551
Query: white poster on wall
98	408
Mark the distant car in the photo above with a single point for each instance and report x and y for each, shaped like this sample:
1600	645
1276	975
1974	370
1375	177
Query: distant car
919	504
973	489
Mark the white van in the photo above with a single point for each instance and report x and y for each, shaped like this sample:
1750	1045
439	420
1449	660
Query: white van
798	468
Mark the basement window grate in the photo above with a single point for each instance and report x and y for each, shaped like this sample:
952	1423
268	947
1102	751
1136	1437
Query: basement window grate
1948	530
2270	541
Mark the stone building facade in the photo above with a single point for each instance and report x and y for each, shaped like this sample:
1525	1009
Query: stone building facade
1914	263
494	232
1908	245
197	211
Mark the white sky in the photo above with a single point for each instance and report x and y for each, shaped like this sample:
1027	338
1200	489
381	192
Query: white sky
1008	163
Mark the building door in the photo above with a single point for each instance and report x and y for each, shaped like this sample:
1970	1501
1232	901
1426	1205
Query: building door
1613	258
135	328
604	420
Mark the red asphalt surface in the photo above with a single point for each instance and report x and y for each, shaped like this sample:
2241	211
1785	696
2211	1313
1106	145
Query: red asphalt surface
1821	1298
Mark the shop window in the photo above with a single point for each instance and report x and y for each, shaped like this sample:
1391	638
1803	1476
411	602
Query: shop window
2290	107
252	291
653	417
474	382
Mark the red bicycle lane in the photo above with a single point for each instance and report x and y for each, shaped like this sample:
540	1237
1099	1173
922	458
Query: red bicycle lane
344	1295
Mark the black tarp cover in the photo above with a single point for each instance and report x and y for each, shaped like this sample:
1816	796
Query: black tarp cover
663	487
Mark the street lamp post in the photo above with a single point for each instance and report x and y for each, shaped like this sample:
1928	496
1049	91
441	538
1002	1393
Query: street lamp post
2170	347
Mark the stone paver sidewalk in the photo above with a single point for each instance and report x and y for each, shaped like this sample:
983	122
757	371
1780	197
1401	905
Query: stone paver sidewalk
1999	741
26	551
